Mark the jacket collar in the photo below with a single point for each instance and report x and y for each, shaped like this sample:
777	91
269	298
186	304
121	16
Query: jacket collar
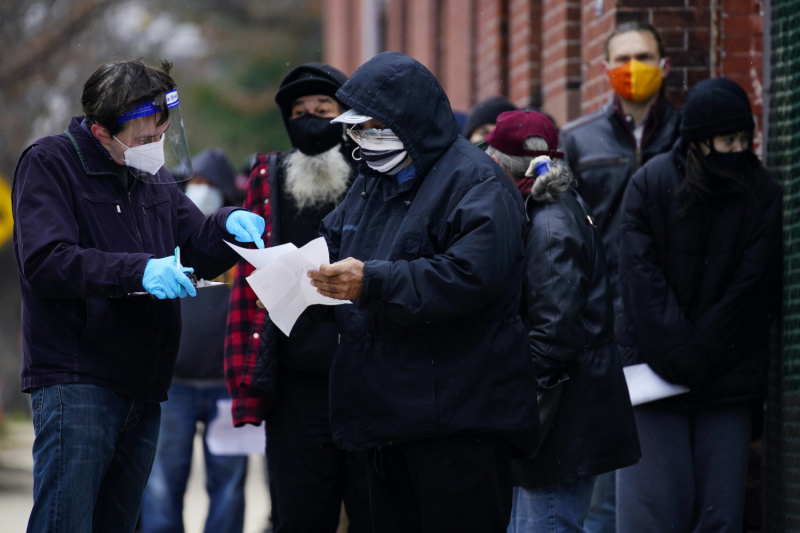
94	158
652	122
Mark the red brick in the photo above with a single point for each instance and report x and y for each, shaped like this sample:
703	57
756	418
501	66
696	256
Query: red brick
742	44
673	39
743	24
686	18
742	7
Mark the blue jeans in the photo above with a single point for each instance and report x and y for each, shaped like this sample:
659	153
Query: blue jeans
162	510
91	457
602	517
554	509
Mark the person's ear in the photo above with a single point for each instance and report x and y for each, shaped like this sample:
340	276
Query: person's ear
101	134
666	65
605	67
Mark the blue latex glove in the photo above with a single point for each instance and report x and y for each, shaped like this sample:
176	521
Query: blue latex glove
246	227
165	278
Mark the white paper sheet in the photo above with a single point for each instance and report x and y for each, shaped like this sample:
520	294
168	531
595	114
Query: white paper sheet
224	439
281	282
261	257
645	386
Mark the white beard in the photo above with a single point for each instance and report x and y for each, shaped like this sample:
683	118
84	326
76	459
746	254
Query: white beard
314	180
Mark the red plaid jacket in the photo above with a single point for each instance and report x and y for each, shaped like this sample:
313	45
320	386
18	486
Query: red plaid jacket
245	320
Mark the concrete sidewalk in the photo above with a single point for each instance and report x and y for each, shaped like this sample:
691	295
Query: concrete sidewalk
16	484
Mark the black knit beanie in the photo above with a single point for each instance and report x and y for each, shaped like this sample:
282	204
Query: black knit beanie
486	112
305	80
715	107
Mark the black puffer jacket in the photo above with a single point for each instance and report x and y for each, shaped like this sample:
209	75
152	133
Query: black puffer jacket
435	346
700	291
569	316
601	150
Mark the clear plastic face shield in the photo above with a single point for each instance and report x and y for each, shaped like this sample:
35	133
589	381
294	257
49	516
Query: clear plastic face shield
150	143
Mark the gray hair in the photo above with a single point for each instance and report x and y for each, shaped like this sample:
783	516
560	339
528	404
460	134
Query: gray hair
548	186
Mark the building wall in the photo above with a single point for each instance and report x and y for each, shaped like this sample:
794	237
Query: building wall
550	53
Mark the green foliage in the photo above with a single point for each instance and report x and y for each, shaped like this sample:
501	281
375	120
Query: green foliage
218	120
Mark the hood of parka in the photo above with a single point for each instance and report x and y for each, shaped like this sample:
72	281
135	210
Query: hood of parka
403	94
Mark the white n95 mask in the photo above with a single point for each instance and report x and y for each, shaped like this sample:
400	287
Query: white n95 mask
147	157
207	198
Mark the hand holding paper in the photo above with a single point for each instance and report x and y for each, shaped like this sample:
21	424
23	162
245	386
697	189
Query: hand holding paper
281	282
341	280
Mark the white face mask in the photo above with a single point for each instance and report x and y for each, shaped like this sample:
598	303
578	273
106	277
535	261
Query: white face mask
382	150
147	157
207	198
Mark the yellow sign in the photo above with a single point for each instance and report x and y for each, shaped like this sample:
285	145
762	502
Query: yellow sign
6	220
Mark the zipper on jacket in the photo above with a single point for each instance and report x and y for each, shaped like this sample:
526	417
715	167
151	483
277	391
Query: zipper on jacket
133	214
638	159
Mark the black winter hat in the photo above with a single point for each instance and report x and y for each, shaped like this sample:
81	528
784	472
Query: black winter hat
715	107
309	78
486	112
215	166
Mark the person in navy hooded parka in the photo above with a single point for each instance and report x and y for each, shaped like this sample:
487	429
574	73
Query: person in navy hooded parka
433	375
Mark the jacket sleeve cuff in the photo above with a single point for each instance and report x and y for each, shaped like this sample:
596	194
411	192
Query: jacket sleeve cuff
250	410
375	286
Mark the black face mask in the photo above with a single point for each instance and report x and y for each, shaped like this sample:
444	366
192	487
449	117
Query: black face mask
738	163
313	135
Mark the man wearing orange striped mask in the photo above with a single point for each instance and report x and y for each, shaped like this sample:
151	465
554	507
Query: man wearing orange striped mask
635	66
604	149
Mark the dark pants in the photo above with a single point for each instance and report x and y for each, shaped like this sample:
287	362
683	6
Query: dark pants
692	474
458	483
308	485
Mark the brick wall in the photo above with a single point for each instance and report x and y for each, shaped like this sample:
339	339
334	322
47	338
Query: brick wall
338	37
740	47
561	58
394	26
456	50
596	28
423	32
491	72
551	52
525	52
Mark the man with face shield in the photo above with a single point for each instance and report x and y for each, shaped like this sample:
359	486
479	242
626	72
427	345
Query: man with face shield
284	380
604	149
97	221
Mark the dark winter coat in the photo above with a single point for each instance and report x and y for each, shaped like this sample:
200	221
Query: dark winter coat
435	346
571	331
701	290
81	242
601	150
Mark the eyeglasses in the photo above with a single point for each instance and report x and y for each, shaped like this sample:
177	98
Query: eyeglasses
359	134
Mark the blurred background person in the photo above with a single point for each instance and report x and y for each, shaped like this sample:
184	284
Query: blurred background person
605	148
280	379
483	116
585	410
700	273
198	384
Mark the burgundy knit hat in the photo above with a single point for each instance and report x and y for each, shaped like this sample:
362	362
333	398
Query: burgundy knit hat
513	127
